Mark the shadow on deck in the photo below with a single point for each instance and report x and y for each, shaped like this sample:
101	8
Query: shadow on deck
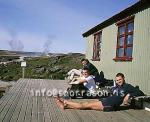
21	104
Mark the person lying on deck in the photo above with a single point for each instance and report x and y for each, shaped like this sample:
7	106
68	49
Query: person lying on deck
121	94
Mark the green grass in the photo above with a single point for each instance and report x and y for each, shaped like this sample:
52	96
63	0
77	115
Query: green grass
42	67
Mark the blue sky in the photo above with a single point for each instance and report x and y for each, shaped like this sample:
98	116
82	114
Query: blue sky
52	25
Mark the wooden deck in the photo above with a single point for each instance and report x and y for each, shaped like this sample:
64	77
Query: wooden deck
18	105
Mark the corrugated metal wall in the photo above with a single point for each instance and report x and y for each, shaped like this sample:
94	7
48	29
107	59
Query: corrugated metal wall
136	72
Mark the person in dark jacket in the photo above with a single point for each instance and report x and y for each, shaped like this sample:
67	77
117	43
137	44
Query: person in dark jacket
120	94
93	70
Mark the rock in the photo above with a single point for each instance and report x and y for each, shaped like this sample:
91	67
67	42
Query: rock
4	86
54	60
39	70
8	78
55	69
38	66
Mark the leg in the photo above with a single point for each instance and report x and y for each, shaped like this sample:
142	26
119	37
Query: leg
77	72
74	70
95	105
72	76
74	79
69	73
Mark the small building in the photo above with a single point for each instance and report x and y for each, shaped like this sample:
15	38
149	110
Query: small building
122	44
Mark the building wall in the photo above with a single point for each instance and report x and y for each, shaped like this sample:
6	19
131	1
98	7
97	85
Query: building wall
136	72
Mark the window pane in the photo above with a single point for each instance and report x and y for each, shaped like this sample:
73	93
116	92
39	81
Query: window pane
96	37
98	54
129	52
100	37
130	39
130	27
97	46
121	30
94	46
121	41
120	52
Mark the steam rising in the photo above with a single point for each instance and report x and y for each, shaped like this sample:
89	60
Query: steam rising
47	46
16	45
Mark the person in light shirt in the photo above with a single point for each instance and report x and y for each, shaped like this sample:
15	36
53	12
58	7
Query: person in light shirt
87	80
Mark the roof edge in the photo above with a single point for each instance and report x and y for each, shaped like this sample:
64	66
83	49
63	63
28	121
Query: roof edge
140	5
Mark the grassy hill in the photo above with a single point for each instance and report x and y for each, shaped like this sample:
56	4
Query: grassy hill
46	67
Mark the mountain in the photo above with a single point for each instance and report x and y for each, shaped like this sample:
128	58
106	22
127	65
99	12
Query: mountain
51	66
19	53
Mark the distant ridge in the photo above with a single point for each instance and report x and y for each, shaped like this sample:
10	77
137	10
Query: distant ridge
19	53
32	54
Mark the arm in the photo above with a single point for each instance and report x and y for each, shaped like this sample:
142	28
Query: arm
78	80
134	92
131	92
82	80
126	98
86	80
92	68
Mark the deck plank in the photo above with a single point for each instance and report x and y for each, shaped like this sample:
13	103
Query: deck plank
40	104
47	115
4	100
28	113
34	116
11	103
22	113
19	101
18	105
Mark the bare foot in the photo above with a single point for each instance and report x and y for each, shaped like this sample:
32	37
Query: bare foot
60	103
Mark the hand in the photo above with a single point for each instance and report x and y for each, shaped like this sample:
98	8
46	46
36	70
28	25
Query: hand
125	100
75	82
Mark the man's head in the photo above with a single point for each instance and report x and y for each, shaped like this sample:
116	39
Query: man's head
85	72
120	79
84	61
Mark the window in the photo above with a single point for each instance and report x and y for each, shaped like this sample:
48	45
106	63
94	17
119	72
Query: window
125	39
97	46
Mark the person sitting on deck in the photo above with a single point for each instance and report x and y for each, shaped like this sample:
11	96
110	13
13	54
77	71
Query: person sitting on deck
121	94
86	81
93	70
